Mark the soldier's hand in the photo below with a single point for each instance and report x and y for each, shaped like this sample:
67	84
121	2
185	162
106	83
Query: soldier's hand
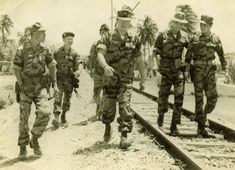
108	71
55	88
77	74
142	86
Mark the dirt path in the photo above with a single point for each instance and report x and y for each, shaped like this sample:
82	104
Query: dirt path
78	146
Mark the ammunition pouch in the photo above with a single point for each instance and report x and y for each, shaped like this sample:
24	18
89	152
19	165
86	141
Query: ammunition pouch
214	67
17	91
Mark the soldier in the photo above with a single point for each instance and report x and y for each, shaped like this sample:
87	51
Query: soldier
202	50
98	70
169	45
117	55
68	64
30	64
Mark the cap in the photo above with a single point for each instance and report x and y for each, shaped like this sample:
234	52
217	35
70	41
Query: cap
205	19
125	13
104	27
66	34
37	26
180	17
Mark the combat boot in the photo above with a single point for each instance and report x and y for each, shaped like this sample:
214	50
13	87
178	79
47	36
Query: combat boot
174	130
63	117
124	143
201	131
23	152
55	121
35	146
160	120
107	132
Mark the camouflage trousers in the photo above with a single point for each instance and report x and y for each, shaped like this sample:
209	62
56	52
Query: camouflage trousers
42	116
97	92
118	89
204	80
64	93
168	79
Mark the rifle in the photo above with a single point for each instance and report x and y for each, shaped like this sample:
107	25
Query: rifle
48	83
74	81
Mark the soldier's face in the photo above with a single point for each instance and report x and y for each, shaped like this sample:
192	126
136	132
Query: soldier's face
123	24
40	35
68	40
205	27
178	26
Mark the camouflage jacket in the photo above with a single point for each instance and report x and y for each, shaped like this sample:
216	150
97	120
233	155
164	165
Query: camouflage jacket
204	48
67	62
170	47
93	58
32	64
121	52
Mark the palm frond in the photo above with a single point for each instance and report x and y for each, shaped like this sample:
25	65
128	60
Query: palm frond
193	23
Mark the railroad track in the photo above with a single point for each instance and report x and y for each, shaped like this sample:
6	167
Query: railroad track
189	150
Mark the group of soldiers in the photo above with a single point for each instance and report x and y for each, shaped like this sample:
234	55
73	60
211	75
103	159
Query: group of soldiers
201	48
115	55
36	69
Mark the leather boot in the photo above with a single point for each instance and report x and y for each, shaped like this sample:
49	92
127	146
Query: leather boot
35	146
201	131
55	121
160	120
107	132
174	130
63	117
23	152
124	143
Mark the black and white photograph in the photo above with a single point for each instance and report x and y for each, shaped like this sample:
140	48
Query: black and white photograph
117	85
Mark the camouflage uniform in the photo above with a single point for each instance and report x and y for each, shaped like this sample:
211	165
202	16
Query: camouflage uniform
31	63
67	63
202	50
120	55
170	49
98	77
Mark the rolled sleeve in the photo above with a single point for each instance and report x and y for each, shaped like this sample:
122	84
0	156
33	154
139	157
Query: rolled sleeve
102	46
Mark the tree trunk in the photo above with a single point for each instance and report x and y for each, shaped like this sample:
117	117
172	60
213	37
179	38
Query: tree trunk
3	37
150	61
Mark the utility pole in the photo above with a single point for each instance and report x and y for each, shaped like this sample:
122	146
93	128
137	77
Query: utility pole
111	15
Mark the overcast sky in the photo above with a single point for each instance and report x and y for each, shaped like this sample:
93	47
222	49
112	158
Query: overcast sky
84	17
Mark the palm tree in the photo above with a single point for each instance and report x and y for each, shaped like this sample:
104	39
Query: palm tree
147	34
24	37
5	25
193	23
